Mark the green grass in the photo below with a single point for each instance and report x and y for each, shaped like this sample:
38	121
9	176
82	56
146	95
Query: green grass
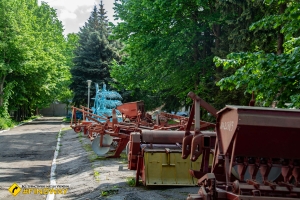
80	137
6	123
31	118
87	147
60	134
112	191
94	157
67	120
104	193
96	175
66	128
124	159
130	181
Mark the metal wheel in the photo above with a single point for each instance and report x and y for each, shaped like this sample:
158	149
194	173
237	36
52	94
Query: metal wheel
100	151
77	129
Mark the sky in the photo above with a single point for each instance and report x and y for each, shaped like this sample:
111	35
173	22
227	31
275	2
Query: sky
74	13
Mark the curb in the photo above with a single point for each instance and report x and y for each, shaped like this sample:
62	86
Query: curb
19	125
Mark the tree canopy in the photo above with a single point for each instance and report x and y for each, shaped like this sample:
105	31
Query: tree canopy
170	46
93	55
272	75
158	52
33	62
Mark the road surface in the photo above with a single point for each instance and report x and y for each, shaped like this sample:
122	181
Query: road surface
26	154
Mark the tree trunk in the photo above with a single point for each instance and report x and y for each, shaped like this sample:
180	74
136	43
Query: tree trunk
280	36
1	90
280	50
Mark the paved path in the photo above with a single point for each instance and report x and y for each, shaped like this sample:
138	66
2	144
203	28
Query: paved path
26	154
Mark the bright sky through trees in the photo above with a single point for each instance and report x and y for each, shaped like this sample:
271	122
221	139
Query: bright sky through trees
74	13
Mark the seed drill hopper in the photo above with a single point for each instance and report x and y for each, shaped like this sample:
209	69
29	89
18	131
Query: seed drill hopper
156	154
256	155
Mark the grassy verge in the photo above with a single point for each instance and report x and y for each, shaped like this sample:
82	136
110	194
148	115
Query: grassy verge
6	123
66	120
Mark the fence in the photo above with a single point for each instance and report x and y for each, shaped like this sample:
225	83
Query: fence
54	110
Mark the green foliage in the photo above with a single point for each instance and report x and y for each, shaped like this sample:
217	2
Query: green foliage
32	56
104	193
273	77
93	55
66	120
6	123
108	192
65	95
96	175
130	181
169	47
165	49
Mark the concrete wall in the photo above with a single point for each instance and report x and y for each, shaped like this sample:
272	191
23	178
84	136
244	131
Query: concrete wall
54	110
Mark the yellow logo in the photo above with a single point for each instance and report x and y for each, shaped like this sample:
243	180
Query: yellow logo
14	189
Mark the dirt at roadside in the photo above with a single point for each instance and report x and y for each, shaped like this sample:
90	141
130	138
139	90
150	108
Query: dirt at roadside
93	177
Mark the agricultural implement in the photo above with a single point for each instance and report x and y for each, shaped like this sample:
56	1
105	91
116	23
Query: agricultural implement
256	155
103	131
156	154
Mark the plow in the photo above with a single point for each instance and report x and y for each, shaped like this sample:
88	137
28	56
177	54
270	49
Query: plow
249	153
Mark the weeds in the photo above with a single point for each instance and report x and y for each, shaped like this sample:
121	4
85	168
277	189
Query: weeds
108	192
65	119
59	134
66	128
87	147
124	158
96	175
93	157
104	193
130	181
80	137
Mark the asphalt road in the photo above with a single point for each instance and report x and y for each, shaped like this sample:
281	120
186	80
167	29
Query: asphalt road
26	154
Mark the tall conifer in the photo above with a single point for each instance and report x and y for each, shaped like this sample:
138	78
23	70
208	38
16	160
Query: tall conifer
93	55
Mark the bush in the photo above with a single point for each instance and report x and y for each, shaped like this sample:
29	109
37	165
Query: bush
5	123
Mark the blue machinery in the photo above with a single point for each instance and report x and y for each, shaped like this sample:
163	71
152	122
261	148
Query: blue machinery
105	101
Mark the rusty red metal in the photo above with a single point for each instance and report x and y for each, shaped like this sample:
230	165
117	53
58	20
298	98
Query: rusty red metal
138	120
134	111
256	155
165	136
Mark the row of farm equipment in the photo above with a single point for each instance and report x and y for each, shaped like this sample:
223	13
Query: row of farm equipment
249	153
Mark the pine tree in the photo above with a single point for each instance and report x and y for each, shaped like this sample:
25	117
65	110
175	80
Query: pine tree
93	55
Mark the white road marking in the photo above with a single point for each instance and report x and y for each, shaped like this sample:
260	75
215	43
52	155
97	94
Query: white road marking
53	166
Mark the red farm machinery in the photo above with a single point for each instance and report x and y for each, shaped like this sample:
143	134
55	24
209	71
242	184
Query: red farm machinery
250	153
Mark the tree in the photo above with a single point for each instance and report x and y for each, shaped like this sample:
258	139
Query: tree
32	58
167	46
43	65
66	94
273	76
93	55
170	46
